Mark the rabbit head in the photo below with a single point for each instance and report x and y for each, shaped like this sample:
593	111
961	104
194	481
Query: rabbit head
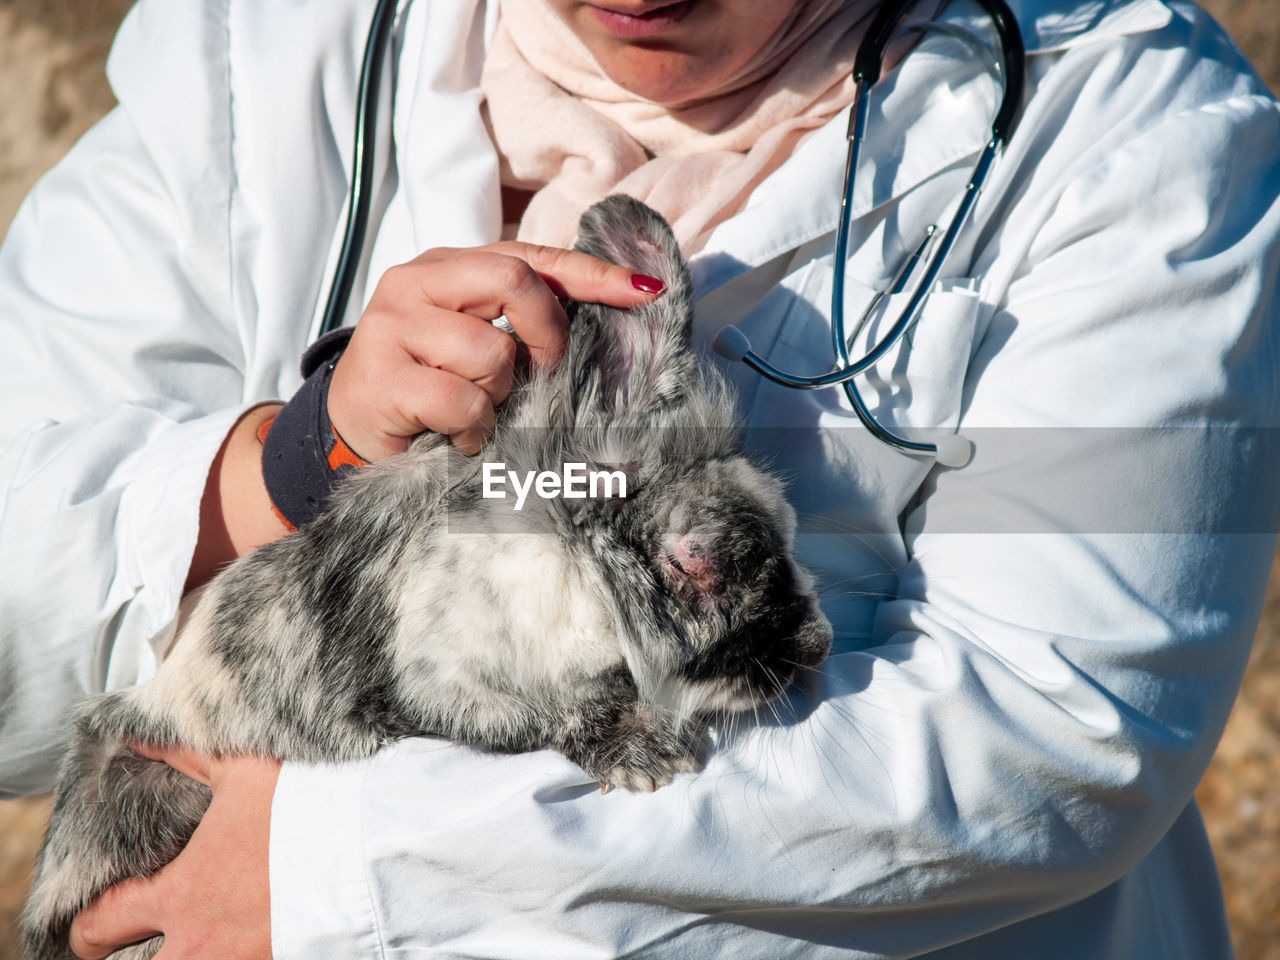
713	613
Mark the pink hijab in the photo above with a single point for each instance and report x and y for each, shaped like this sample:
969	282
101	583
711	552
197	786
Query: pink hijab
568	132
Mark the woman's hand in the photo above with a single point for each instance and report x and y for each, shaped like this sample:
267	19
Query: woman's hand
425	355
213	900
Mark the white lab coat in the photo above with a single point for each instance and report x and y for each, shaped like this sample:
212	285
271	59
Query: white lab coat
1034	655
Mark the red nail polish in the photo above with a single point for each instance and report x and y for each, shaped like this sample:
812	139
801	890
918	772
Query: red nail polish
648	284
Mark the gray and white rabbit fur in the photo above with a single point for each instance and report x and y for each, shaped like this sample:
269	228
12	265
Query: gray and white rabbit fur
608	630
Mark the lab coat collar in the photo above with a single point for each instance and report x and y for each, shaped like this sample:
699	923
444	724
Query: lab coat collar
1050	26
931	112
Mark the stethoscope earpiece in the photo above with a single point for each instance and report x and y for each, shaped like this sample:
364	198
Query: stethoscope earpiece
732	344
954	451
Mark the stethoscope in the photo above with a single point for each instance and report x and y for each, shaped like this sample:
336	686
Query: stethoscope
732	343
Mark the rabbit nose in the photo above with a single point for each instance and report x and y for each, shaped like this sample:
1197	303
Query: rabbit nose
813	641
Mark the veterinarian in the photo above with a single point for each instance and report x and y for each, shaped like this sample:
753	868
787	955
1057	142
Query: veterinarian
1035	654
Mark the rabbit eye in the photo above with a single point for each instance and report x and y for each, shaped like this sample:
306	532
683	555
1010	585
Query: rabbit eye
693	577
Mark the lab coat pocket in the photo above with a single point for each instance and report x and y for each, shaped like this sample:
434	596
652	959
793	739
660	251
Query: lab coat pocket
919	382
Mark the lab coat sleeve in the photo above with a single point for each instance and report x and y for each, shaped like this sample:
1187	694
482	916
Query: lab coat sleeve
121	377
1044	690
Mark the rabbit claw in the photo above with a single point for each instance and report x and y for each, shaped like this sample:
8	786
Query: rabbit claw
648	773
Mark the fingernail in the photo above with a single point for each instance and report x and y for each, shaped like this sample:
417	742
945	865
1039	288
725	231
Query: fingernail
647	284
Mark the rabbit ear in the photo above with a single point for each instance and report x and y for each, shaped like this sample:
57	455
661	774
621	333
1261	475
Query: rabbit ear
633	361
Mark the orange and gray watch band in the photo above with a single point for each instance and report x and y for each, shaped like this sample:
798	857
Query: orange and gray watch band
302	454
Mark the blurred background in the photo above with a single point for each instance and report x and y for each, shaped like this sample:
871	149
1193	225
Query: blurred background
51	72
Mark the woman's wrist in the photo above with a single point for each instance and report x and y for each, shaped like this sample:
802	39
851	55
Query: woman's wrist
235	511
303	454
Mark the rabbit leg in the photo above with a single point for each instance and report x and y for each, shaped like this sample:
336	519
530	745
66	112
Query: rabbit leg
116	815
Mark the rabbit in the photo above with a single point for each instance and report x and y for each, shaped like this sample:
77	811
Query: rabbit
609	628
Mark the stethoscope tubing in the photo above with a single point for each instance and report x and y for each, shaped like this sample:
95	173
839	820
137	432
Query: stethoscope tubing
731	342
869	60
364	150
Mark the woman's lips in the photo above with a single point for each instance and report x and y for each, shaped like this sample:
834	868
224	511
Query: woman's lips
652	22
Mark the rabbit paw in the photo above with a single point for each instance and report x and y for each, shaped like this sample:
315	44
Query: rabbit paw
645	750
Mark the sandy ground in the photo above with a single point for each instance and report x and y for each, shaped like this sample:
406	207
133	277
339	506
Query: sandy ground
51	54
